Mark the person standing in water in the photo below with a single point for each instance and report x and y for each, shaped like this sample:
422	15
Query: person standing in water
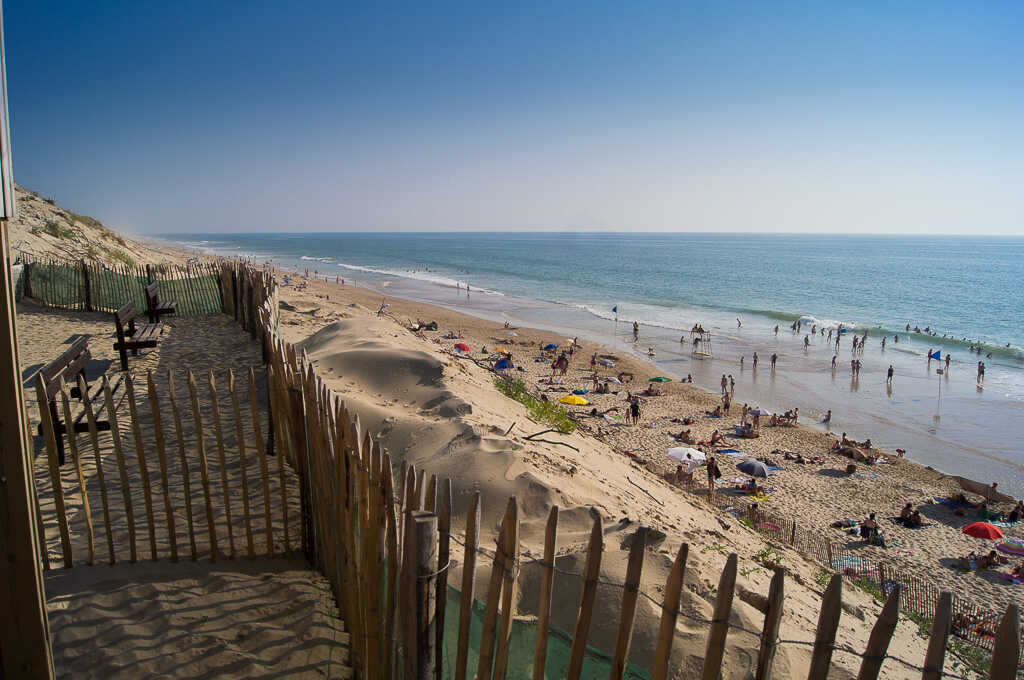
776	330
775	358
636	331
725	384
755	353
888	375
947	363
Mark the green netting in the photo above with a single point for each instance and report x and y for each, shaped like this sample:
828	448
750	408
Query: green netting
596	664
63	285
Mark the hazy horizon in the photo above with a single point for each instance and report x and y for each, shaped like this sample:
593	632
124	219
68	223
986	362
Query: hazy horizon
731	117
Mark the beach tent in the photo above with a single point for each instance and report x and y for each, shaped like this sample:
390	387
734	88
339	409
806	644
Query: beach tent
551	345
679	453
758	411
503	364
660	378
575	400
753	467
462	347
983	530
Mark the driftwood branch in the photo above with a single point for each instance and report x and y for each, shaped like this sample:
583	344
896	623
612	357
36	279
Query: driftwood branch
537	434
645	491
549	441
510	428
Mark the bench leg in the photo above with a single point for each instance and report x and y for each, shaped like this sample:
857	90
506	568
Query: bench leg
124	359
58	432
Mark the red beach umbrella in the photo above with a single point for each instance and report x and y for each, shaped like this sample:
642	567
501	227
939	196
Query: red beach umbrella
462	347
983	530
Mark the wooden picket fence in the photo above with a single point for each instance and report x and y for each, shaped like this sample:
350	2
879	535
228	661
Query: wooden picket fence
147	464
385	547
973	624
92	286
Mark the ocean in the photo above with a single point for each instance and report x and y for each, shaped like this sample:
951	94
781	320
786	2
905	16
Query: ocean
963	290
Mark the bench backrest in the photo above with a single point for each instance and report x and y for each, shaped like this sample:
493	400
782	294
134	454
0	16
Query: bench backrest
125	317
68	366
152	296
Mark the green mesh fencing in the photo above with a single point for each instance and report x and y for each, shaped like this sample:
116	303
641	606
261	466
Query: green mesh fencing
523	641
196	292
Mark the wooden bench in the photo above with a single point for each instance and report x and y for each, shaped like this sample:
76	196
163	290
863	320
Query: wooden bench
131	337
154	307
67	369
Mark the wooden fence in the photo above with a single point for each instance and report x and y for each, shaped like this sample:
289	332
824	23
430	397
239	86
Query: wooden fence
144	473
385	545
971	623
91	286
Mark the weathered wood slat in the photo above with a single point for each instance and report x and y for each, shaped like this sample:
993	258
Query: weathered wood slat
261	453
770	631
140	453
161	454
715	649
630	593
540	652
485	664
55	481
243	464
100	477
204	470
508	586
90	536
183	461
881	635
669	615
595	549
115	436
828	623
935	658
218	431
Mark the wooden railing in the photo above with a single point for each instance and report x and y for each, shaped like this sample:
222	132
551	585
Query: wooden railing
386	548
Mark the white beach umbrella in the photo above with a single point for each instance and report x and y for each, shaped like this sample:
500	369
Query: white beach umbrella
679	453
758	411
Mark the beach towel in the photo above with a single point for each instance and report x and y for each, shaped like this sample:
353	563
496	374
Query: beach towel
773	468
867	475
1011	578
733	453
1003	525
844	561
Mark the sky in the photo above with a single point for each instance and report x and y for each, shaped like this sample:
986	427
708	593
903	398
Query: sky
199	117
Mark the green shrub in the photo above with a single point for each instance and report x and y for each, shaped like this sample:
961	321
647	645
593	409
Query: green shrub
543	411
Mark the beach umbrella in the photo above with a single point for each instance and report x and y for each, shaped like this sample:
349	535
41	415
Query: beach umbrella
613	379
983	530
551	345
758	411
574	399
462	347
501	350
580	391
607	362
513	334
503	364
753	467
660	378
679	453
1013	546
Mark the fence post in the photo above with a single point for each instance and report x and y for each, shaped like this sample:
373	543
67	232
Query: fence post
770	632
881	635
425	524
935	658
720	626
828	623
88	288
149	274
1006	654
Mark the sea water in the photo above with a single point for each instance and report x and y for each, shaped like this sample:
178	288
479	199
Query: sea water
965	290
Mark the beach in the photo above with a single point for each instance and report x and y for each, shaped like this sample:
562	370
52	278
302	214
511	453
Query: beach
817	495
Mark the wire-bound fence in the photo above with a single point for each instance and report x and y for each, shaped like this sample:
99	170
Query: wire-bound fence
92	286
385	544
973	624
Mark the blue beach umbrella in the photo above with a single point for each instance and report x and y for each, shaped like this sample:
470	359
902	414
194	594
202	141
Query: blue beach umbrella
550	345
754	468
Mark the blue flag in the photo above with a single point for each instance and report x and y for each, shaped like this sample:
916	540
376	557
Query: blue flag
936	355
615	309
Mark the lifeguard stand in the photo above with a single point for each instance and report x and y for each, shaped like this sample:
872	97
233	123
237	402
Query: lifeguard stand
701	345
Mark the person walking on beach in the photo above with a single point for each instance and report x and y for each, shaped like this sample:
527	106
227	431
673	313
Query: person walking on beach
775	358
807	342
713	474
776	330
981	372
634	410
725	383
755	353
883	343
739	324
929	356
636	331
947	363
834	358
732	383
888	375
726	403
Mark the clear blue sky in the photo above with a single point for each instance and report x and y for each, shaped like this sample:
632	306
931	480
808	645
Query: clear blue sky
307	116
